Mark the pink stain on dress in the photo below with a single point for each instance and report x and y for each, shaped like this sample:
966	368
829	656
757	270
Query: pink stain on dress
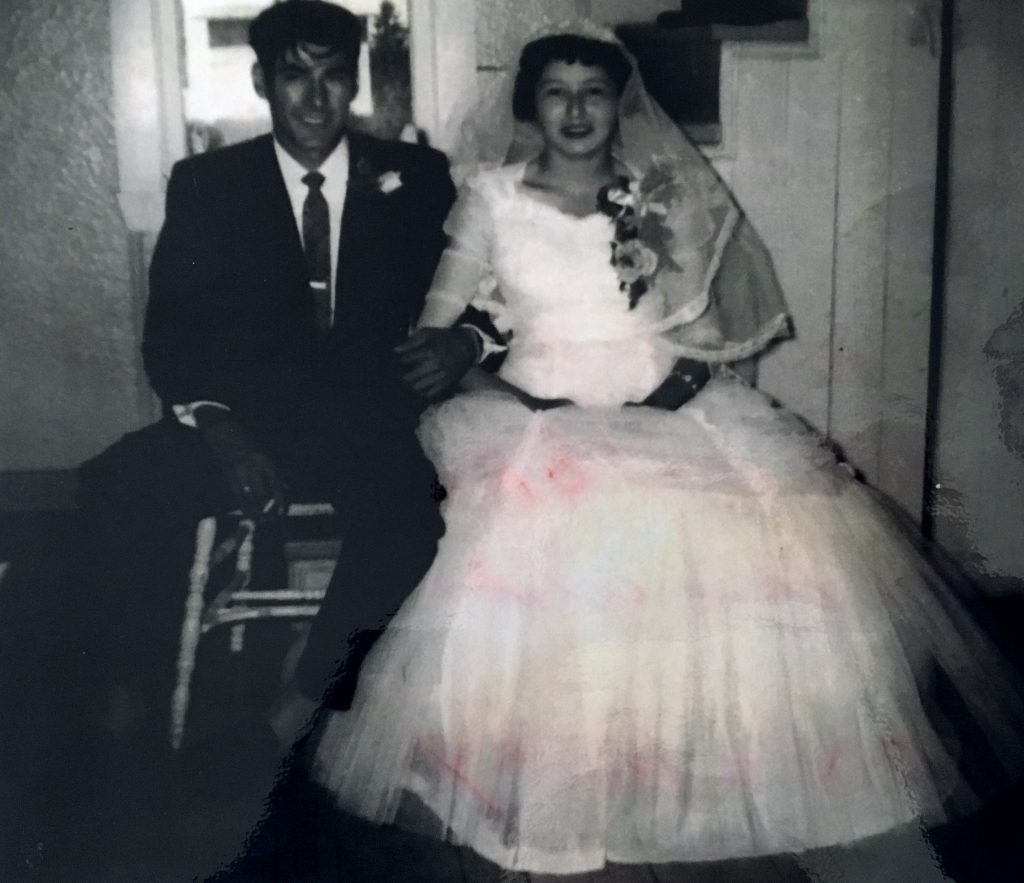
514	485
567	477
831	764
482	579
454	767
780	590
799	590
649	765
513	752
894	749
637	596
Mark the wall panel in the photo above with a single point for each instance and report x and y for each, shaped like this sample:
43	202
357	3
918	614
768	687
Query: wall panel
979	513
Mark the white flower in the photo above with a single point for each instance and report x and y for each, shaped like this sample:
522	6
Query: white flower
621	198
634	261
389	182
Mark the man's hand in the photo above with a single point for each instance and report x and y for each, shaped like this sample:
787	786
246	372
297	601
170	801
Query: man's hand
291	716
249	474
434	360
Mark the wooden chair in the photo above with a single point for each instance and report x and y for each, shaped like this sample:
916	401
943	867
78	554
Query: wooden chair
309	561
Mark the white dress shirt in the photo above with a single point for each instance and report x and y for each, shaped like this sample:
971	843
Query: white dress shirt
335	172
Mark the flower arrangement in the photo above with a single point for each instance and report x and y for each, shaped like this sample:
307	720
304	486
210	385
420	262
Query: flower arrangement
639	208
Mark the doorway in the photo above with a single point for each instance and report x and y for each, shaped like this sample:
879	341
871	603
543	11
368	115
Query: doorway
220	105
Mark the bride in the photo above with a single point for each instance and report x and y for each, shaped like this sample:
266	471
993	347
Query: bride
664	623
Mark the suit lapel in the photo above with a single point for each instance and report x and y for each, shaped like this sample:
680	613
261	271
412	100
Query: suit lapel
273	211
364	233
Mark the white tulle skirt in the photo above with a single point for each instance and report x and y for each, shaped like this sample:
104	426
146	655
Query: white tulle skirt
655	636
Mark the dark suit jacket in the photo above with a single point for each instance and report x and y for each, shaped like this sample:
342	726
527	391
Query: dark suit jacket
230	318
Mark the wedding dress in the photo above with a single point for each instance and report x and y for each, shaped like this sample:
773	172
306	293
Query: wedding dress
647	635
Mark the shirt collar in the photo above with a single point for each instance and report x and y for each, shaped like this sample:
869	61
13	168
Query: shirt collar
334	168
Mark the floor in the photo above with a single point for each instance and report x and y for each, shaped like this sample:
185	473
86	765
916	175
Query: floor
81	799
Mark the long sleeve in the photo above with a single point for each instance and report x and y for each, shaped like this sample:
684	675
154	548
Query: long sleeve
465	265
175	275
225	320
193	347
178	211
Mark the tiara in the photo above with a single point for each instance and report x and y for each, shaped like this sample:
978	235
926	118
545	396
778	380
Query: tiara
580	27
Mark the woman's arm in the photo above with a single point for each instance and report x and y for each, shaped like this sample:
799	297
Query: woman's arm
687	378
438	353
463	267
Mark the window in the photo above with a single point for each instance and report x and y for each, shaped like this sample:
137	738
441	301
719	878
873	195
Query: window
686	47
781	17
228	32
220	105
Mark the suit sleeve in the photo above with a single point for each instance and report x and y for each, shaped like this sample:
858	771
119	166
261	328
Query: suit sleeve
194	346
440	196
180	284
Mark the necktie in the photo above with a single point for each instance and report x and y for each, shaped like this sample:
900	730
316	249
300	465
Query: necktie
316	242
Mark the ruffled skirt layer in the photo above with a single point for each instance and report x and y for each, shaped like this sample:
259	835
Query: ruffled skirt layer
655	636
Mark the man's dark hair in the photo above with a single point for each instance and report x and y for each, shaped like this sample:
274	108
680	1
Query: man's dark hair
570	48
284	25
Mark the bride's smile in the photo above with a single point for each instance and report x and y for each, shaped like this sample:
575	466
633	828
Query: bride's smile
577	108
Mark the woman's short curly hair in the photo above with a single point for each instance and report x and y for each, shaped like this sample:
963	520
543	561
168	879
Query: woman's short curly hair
570	48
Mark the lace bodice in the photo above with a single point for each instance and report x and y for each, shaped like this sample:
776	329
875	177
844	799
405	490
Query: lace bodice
547	277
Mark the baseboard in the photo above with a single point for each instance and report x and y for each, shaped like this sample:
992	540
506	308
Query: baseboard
42	490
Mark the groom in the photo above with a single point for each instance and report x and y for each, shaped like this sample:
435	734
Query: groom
288	270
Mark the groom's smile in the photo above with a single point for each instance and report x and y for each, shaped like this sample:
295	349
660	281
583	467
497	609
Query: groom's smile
309	91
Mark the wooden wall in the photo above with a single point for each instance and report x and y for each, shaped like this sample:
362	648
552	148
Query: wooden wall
980	439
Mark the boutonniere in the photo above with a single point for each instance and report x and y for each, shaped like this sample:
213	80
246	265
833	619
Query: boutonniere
639	208
369	180
389	182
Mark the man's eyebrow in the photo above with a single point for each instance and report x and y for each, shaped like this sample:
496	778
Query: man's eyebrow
339	66
587	82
